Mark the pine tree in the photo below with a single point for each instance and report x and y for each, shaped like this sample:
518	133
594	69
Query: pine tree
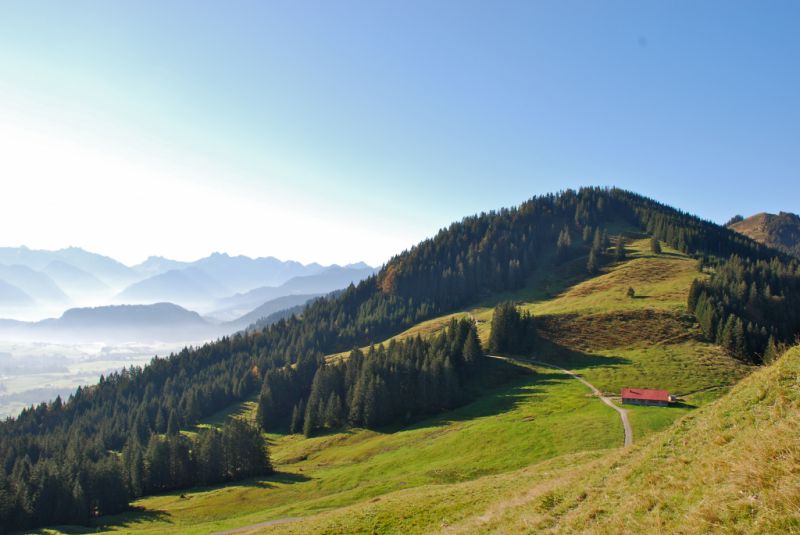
181	469
772	351
136	472
311	417
161	421
592	266
333	411
80	508
739	340
597	241
265	409
156	465
619	250
209	456
694	294
172	427
472	348
564	243
372	411
357	399
655	246
296	425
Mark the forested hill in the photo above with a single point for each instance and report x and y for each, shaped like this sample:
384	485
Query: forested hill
64	452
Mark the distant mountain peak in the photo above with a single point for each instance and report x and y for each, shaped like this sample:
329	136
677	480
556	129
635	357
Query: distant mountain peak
781	231
358	265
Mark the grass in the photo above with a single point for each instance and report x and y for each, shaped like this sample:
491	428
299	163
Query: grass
536	417
731	467
518	457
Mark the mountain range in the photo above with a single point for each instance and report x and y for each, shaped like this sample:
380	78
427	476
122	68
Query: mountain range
330	279
158	322
36	284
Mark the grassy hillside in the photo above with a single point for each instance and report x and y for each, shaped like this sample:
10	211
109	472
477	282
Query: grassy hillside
541	431
539	416
731	467
591	326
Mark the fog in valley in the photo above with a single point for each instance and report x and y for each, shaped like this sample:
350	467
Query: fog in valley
69	316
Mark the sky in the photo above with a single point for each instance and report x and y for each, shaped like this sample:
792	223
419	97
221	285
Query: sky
345	131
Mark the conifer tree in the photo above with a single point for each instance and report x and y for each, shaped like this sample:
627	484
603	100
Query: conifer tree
597	241
172	427
209	457
472	348
655	246
296	425
80	509
592	266
564	243
619	250
772	352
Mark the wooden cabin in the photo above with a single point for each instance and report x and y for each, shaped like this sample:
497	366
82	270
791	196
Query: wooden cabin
645	396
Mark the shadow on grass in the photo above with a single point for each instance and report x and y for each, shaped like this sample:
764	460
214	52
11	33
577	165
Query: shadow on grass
286	478
550	279
495	400
126	520
553	353
681	405
140	515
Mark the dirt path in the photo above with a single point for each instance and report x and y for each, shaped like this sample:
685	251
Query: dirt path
252	527
623	414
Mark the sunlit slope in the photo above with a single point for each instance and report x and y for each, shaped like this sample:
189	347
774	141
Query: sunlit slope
590	325
537	417
731	467
648	341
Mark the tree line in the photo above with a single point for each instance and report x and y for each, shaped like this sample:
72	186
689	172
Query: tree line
393	383
750	307
76	488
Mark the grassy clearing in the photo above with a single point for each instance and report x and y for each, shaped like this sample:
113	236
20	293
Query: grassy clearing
661	282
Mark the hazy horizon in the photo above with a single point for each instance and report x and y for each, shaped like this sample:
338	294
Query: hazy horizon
314	133
183	260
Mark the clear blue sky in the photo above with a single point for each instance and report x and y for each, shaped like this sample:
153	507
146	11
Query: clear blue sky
358	128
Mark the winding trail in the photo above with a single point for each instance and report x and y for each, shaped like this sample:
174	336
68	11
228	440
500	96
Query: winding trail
623	414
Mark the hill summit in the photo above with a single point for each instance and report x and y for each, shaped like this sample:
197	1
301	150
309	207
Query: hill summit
781	231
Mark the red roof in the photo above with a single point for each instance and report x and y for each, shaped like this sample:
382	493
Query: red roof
644	393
